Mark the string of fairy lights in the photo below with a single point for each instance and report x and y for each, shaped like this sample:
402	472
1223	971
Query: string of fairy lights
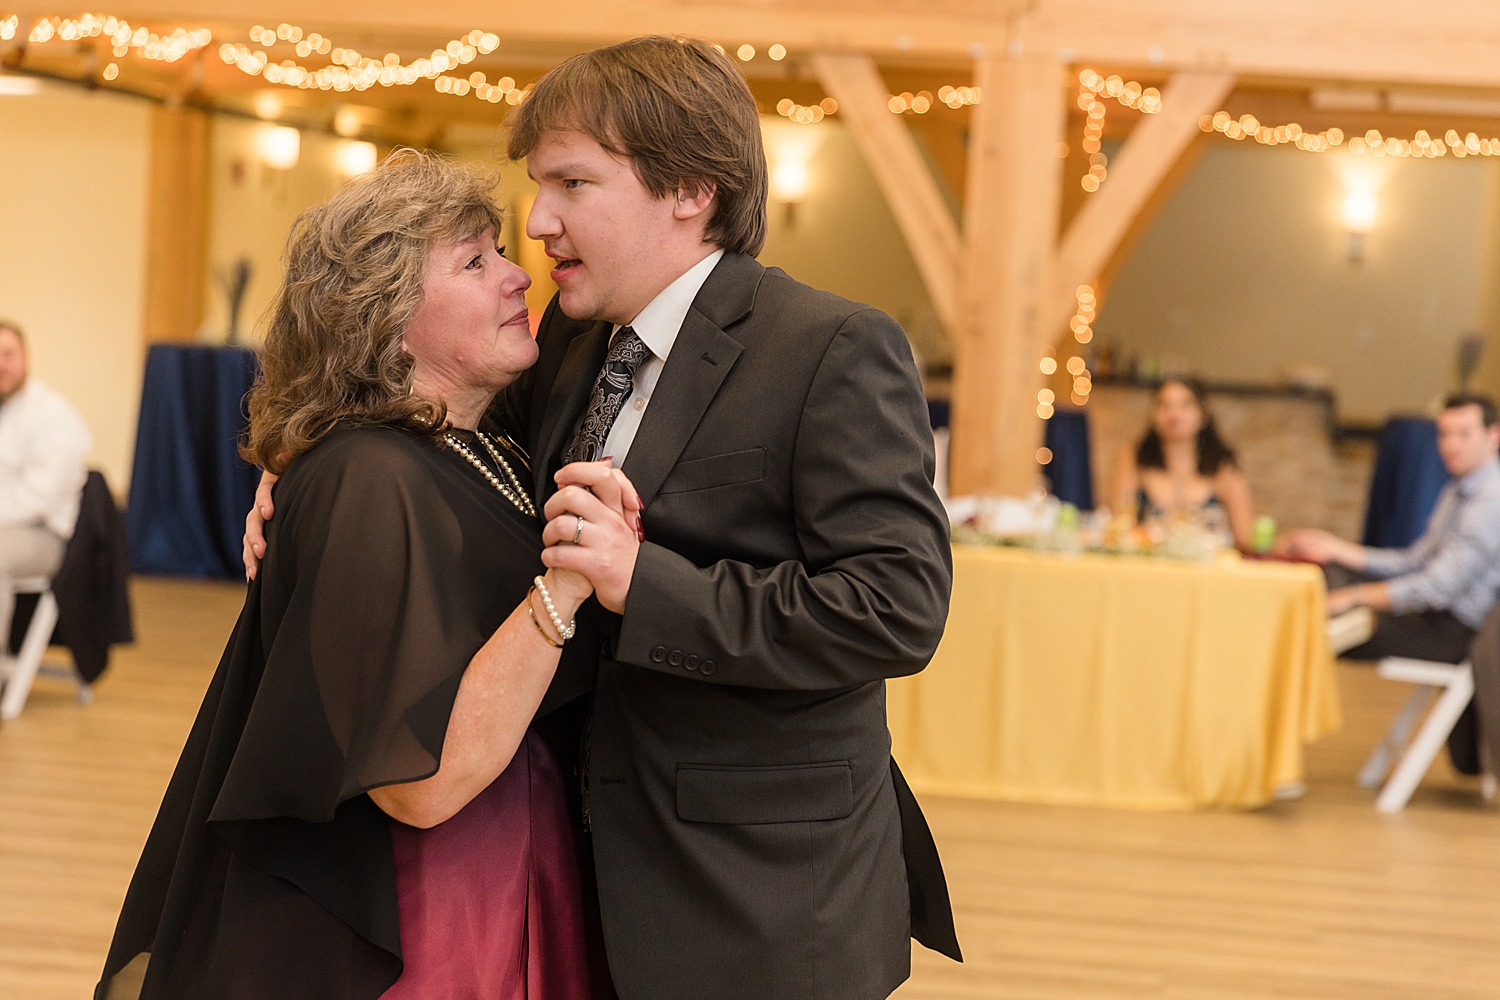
1081	326
905	103
123	38
806	114
1093	88
1421	146
923	101
350	69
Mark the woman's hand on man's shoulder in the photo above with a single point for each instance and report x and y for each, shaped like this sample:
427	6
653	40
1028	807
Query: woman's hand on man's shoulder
255	525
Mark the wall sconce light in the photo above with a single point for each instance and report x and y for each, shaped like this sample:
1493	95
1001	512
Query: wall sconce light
789	185
19	86
268	105
355	158
1359	211
279	146
347	121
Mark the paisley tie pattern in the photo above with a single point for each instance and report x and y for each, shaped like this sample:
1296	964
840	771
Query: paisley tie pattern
616	379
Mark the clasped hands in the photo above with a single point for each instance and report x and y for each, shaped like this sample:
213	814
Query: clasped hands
594	528
602	549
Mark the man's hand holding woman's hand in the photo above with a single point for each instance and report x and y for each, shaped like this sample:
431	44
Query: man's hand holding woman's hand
604	548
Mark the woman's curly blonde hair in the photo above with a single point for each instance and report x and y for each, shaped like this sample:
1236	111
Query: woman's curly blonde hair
355	267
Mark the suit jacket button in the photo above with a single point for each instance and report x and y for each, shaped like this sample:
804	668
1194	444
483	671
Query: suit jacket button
658	654
606	651
708	667
674	658
691	662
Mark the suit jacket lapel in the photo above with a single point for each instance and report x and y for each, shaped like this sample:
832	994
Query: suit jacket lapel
697	366
700	360
567	399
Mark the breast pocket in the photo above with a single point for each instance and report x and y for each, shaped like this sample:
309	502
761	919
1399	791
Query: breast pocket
729	469
799	793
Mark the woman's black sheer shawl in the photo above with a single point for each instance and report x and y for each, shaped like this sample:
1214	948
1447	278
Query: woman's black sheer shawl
268	872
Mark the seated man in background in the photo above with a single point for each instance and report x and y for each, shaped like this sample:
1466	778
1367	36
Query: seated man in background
44	448
1432	596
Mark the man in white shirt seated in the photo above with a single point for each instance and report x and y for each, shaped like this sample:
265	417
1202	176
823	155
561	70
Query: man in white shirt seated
1433	595
44	448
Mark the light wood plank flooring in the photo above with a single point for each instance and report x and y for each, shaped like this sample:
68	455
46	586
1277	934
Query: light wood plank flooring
1321	898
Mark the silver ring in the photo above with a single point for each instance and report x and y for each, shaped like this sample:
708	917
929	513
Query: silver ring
578	534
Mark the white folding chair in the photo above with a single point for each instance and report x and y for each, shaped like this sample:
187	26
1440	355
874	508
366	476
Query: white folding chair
20	671
1453	684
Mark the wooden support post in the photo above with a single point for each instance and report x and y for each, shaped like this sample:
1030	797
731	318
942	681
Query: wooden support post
1143	163
177	225
1010	228
908	185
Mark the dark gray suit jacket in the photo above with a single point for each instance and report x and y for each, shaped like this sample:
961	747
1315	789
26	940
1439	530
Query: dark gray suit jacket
753	837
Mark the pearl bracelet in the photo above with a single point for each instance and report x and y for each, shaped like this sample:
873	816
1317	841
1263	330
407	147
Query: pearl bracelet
566	631
538	622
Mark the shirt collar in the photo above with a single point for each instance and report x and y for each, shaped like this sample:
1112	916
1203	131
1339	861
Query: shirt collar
658	323
1478	478
20	393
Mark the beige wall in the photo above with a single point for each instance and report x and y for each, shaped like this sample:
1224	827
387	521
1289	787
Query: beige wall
251	210
73	179
843	238
1244	275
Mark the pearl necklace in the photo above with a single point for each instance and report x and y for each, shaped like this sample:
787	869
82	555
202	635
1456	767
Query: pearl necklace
513	490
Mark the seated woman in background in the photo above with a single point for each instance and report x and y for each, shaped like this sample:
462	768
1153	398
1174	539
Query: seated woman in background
1182	467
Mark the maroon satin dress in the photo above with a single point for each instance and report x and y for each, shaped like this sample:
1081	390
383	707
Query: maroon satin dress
490	900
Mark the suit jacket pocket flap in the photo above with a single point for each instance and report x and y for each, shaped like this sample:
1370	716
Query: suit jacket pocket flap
717	470
800	793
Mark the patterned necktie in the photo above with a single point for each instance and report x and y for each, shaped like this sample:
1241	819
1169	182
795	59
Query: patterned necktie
616	380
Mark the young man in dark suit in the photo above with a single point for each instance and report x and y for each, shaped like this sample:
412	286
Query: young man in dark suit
753	838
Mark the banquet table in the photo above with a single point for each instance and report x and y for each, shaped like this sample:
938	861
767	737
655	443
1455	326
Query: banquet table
1120	681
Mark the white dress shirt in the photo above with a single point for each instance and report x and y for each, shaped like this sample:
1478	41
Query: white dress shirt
44	451
657	325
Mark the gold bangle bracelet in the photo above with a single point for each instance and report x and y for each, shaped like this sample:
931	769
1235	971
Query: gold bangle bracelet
532	612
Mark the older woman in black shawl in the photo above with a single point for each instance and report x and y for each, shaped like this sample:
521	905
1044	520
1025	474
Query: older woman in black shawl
362	807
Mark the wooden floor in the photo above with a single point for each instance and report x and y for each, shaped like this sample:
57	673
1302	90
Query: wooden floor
1321	898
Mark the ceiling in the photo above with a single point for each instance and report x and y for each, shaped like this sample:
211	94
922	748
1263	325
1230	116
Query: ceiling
934	47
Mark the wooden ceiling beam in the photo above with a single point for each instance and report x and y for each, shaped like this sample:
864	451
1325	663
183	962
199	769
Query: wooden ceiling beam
1450	43
1147	157
903	27
909	187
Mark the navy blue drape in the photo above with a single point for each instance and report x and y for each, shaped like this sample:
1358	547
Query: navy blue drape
938	411
1069	472
1409	473
190	490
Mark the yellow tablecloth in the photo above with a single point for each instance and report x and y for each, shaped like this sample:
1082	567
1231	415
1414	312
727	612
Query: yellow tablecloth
1119	681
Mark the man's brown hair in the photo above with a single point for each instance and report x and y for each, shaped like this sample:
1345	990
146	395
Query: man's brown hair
1487	411
682	113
